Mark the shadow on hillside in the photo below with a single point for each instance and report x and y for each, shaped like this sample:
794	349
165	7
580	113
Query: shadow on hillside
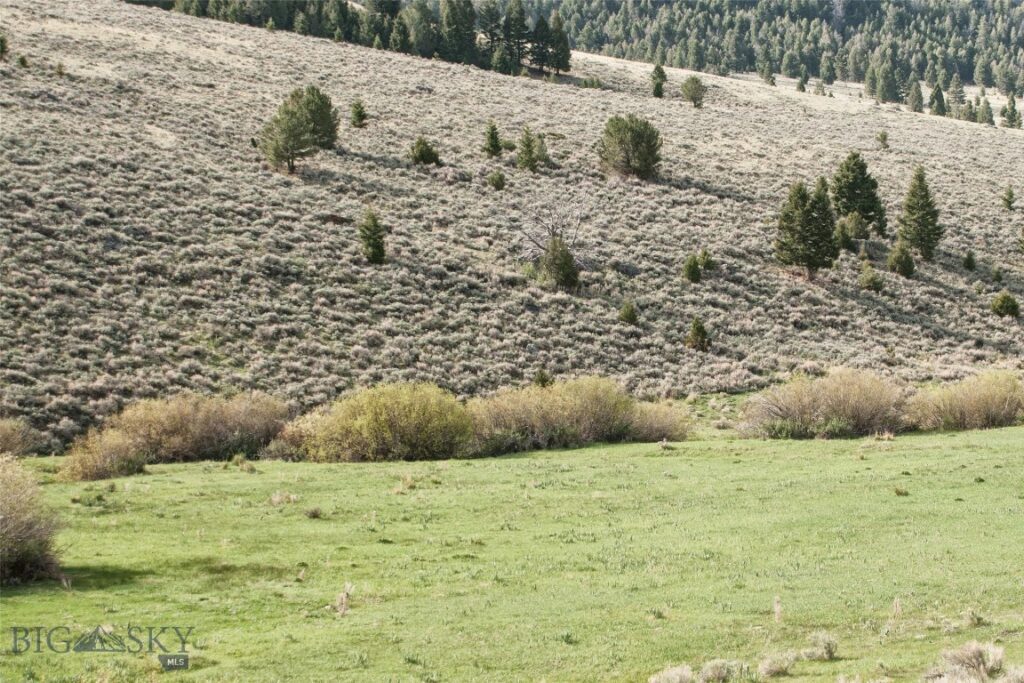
688	183
101	577
218	568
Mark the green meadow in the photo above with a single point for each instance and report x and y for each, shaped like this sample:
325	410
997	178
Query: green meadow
599	564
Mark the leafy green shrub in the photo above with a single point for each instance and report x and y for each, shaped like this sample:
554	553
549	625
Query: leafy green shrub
691	268
401	421
630	146
496	180
185	427
844	403
991	399
27	526
558	266
3	46
1005	305
698	337
706	260
870	279
693	90
18	438
969	262
423	152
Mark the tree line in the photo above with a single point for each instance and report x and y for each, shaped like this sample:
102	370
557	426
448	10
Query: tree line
502	37
980	42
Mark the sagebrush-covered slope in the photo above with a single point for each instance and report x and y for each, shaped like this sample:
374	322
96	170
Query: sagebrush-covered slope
148	249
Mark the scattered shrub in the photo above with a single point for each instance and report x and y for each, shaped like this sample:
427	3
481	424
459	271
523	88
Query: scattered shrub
371	236
630	146
972	661
870	279
529	152
844	403
969	262
693	90
723	670
673	674
423	152
883	139
558	266
400	421
698	337
185	427
824	647
691	268
991	399
629	313
776	665
27	526
3	46
1005	305
492	141
23	61
18	438
496	180
900	261
657	421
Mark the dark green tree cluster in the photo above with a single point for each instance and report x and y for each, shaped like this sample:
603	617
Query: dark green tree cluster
630	146
807	227
491	36
887	41
855	191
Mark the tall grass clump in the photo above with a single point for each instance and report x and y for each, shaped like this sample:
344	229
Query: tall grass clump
569	414
400	421
991	399
17	437
27	526
185	427
845	403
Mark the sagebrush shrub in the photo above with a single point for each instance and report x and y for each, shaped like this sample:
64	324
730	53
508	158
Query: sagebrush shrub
27	526
630	146
1005	305
182	428
496	179
673	674
991	399
693	90
400	421
844	403
17	437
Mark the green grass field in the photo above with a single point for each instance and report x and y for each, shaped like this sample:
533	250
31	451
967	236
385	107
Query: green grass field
606	563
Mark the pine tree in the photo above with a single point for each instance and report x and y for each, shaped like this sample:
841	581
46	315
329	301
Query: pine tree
807	229
540	48
560	52
629	313
489	20
322	115
1008	198
1011	117
358	114
288	136
371	235
915	101
870	81
698	338
956	90
516	32
919	224
630	146
691	268
458	31
886	89
937	103
854	190
527	156
658	80
501	61
558	266
400	40
492	141
984	113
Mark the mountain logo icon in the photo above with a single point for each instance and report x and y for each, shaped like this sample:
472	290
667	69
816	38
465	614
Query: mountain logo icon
99	640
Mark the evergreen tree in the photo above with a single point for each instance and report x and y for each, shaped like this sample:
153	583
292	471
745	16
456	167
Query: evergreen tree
937	103
691	268
1011	117
358	114
900	260
919	224
400	40
516	32
870	82
956	91
492	141
458	31
807	229
981	72
288	136
1008	198
501	61
984	113
371	235
915	101
630	146
489	20
322	115
560	52
886	89
854	190
540	48
527	153
698	338
558	266
693	90
423	153
629	313
422	23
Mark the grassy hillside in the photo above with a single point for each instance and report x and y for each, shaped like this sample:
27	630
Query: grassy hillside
602	564
146	248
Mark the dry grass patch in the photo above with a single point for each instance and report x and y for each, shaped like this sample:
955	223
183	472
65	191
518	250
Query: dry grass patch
844	403
673	674
991	399
972	661
776	665
27	526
